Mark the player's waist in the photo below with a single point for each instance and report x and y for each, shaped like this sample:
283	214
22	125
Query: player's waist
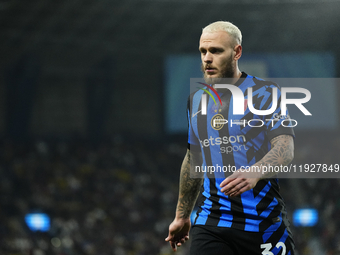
237	206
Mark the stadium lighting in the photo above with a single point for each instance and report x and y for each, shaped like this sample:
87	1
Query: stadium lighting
305	217
38	222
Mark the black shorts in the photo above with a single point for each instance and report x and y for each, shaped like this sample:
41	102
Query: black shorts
209	240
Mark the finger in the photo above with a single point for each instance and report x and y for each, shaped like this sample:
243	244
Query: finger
240	191
231	185
173	246
229	179
235	194
225	182
236	188
186	238
183	240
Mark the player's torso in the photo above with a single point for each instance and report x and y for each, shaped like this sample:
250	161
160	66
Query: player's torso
228	142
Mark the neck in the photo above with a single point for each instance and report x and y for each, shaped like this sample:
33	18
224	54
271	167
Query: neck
237	75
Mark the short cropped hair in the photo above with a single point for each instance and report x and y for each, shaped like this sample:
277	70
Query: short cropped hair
226	26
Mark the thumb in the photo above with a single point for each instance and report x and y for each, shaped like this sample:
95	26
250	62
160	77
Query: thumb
168	238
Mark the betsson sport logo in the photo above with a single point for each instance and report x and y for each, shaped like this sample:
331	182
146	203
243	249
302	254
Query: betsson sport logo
240	104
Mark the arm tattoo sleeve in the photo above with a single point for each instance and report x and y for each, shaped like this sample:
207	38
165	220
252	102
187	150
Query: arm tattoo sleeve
281	153
188	189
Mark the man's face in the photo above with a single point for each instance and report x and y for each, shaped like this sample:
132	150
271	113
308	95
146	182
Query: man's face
217	56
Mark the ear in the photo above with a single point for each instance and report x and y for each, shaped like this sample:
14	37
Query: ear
238	52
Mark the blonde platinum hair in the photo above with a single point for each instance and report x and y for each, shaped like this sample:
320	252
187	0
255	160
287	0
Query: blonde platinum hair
226	26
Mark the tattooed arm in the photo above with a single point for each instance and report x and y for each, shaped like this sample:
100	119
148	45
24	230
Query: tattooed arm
281	154
189	187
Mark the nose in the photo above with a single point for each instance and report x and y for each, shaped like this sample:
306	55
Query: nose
207	58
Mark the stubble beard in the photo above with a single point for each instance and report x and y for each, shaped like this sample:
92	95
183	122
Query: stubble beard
227	72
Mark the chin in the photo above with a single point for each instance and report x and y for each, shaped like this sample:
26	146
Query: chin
212	79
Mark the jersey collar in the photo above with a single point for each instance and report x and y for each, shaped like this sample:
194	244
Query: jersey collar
241	79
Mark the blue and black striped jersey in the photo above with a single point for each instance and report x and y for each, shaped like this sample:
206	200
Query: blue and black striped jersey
236	141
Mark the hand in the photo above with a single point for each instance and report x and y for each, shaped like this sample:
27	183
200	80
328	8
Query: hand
178	233
238	182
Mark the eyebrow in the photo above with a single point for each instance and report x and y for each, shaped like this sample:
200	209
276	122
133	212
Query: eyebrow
212	47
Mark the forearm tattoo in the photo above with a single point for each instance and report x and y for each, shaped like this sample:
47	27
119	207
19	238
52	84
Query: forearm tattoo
188	189
281	153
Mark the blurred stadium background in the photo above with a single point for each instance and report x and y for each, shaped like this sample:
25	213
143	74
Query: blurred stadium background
87	100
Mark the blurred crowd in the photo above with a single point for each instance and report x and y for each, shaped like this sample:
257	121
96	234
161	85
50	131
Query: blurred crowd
118	197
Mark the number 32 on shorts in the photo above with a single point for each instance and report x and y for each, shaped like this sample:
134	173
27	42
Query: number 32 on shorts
268	246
